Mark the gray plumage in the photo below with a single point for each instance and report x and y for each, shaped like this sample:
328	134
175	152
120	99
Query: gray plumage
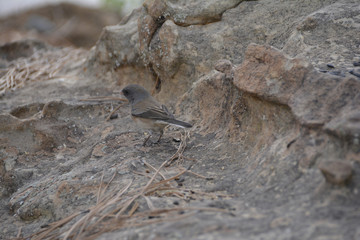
143	105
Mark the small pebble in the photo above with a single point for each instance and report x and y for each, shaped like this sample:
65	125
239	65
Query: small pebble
114	116
336	172
180	179
223	65
354	73
337	73
330	65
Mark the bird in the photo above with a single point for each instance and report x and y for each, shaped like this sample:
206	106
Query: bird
148	113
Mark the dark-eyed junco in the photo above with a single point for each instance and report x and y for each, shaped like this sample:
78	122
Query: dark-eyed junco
148	113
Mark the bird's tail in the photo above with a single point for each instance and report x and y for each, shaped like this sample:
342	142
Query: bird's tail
178	123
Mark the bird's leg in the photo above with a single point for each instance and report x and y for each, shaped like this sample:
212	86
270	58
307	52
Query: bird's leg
146	139
161	133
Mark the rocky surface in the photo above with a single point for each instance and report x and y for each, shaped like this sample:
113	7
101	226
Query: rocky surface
275	148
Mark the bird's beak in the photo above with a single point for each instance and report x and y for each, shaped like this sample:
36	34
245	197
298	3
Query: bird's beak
122	97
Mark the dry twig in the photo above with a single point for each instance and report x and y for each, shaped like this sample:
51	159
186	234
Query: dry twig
179	153
101	99
42	65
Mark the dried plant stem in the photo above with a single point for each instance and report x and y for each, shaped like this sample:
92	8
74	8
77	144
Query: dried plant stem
42	65
100	99
93	211
113	111
154	169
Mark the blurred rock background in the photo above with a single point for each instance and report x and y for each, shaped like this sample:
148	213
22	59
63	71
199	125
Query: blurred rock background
60	23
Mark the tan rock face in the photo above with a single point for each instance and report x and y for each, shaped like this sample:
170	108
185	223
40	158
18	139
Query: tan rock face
315	99
172	43
184	13
270	75
336	172
209	103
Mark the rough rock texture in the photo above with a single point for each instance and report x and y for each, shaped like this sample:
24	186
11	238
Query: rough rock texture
164	50
328	36
276	118
336	172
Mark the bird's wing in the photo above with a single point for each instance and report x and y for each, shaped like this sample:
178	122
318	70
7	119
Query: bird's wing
151	109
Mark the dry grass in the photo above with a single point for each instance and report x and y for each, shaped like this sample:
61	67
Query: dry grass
119	209
101	99
42	65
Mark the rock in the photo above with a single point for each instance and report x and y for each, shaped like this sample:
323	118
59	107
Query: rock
225	66
336	172
346	126
27	111
210	101
99	150
317	106
355	73
169	52
9	164
184	14
280	222
9	183
335	22
60	24
268	74
119	44
26	48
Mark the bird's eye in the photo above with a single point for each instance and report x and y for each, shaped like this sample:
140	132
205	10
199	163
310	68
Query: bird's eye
126	92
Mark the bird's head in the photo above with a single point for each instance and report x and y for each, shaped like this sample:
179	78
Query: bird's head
135	93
